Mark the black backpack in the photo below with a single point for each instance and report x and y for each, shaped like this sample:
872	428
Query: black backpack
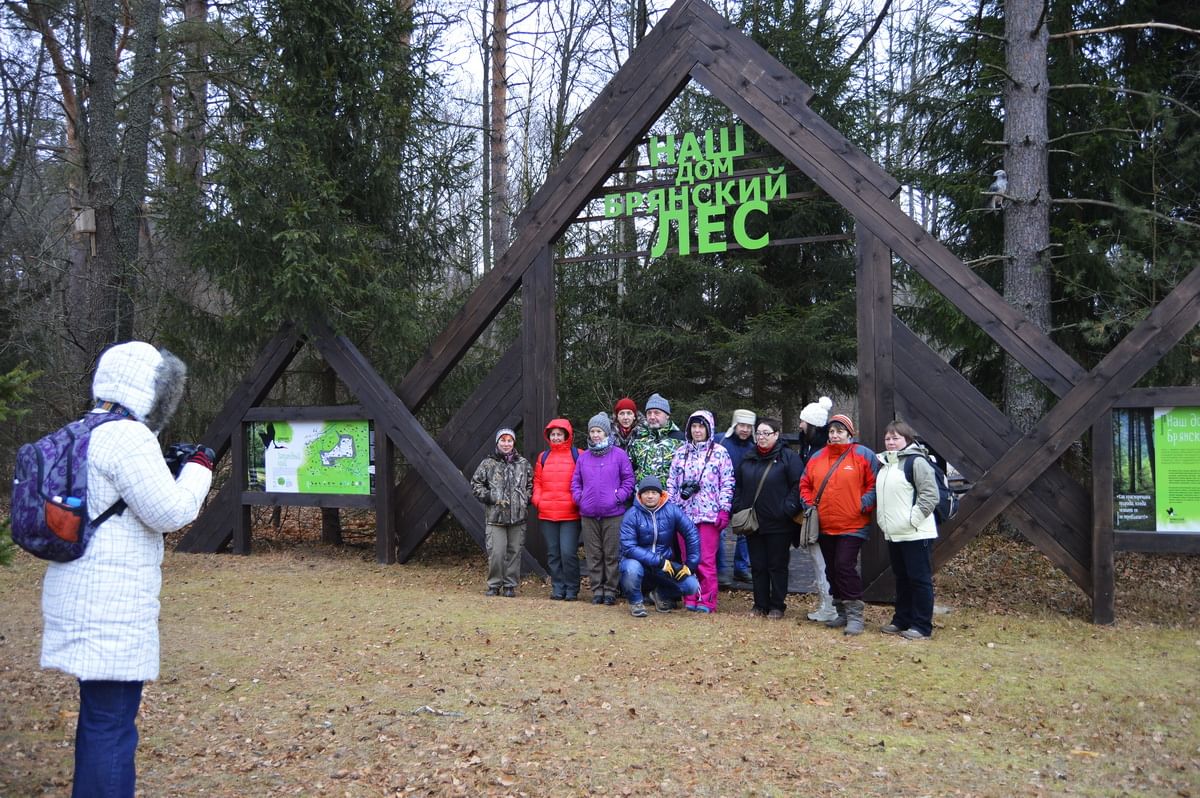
947	504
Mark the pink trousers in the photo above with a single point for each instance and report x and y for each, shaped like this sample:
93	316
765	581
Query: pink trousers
706	572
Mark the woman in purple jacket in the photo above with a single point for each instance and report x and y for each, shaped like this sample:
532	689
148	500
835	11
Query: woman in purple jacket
602	487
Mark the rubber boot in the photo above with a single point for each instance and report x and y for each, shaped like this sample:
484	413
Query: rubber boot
839	620
824	612
854	618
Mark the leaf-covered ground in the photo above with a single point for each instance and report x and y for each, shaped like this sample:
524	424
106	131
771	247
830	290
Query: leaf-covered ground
305	671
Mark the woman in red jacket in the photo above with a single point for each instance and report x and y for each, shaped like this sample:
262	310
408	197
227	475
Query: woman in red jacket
844	507
558	516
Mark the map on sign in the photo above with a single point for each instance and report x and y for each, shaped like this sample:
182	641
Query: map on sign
310	457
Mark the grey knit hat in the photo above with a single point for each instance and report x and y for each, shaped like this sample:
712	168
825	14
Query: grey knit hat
656	402
505	431
600	420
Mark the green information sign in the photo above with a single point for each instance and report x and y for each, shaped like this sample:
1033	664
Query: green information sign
1156	469
335	457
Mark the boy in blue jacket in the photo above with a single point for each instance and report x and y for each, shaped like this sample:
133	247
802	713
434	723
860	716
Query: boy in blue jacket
648	554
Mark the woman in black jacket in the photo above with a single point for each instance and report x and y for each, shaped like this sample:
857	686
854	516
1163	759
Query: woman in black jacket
778	469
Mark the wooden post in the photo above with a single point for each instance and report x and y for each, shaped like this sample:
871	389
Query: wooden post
1103	572
385	521
237	476
539	370
876	382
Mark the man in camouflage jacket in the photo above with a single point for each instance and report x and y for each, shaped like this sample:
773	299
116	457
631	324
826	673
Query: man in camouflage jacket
652	450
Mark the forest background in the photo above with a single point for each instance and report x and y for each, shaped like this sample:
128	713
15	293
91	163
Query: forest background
194	173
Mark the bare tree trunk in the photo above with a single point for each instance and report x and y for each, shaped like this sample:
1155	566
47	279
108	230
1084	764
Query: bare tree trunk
486	126
331	522
195	106
499	129
1027	214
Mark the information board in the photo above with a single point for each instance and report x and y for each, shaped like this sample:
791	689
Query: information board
1156	469
334	457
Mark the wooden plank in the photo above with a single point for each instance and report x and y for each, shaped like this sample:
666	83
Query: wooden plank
272	361
636	104
539	369
873	279
723	41
1025	462
1156	542
243	530
212	531
326	413
830	170
416	445
1176	396
1104	585
1054	514
258	498
467	439
385	518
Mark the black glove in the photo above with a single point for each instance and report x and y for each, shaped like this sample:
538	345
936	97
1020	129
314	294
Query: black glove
178	454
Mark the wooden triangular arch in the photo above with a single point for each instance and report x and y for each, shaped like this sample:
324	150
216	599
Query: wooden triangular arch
1011	472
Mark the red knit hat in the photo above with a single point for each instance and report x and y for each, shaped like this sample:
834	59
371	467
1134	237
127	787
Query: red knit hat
845	422
625	403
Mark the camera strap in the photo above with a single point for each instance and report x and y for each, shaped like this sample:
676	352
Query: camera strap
703	465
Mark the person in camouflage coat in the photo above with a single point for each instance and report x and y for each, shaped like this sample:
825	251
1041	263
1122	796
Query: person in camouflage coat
503	483
651	451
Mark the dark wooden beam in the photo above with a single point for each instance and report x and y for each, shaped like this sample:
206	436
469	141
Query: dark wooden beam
416	445
539	369
827	160
876	383
467	438
622	114
1024	463
1104	586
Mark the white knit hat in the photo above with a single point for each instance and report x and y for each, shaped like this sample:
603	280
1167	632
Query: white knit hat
817	413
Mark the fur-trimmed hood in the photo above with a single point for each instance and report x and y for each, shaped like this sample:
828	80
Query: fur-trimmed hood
148	382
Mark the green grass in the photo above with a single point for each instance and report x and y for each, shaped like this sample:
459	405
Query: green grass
301	672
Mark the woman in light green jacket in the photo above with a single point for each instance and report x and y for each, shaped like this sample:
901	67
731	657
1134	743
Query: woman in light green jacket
904	511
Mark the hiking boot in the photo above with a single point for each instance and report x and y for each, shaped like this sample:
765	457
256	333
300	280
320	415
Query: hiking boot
758	612
509	593
570	597
661	604
597	599
914	634
839	619
610	600
637	610
890	629
492	591
775	615
825	611
555	597
854	618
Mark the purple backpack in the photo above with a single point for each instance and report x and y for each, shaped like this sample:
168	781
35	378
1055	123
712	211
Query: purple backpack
49	496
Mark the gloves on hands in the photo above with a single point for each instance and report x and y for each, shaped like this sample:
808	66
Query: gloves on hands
722	520
204	456
676	570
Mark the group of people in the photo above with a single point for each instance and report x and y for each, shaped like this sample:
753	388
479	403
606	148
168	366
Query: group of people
651	503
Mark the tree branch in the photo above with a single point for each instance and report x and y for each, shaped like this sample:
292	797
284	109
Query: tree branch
1128	208
1122	89
1161	25
870	34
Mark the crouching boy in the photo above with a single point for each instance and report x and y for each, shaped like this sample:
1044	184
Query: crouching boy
648	556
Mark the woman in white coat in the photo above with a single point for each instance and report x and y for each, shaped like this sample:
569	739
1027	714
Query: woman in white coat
100	612
904	511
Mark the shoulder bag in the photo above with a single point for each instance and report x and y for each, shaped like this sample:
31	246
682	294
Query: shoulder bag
745	522
808	519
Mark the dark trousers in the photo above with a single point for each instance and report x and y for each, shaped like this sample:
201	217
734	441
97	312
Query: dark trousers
769	559
106	739
912	565
562	556
841	566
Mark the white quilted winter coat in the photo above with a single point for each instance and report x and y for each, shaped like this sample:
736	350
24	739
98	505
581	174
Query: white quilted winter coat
100	612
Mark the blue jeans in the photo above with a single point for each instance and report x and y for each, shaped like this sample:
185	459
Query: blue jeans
634	579
562	556
106	739
912	565
741	553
